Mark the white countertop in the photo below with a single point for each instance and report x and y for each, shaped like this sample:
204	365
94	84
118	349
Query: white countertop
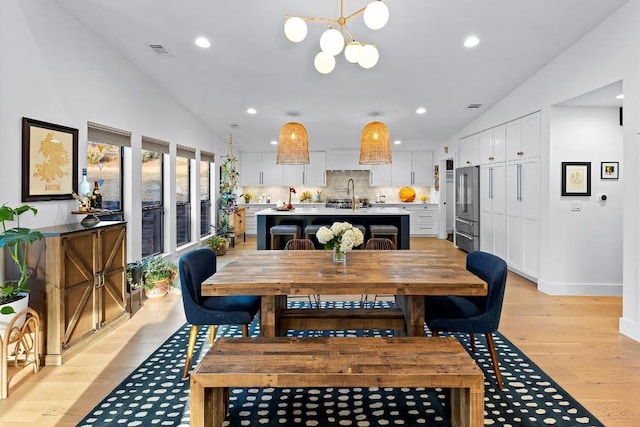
320	211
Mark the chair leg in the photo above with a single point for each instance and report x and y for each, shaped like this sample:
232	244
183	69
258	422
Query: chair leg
435	333
472	339
494	359
245	330
193	334
212	333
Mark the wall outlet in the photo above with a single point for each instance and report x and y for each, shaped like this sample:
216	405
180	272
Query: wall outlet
576	206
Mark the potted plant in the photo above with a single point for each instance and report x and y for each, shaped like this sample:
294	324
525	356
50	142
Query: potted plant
159	274
17	241
219	244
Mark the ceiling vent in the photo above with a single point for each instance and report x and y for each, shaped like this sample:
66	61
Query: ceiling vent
474	106
159	49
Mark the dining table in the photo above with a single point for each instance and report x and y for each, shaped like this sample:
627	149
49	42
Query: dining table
410	275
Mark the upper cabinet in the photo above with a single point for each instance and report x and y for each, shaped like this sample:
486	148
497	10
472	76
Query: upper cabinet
412	169
469	150
492	145
312	174
523	137
345	160
260	169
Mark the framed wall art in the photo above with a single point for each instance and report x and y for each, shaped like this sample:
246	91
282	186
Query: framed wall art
576	178
609	170
49	161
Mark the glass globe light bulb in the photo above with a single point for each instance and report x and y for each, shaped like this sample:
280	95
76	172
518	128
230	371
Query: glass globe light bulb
332	42
368	56
352	52
295	29
376	15
324	62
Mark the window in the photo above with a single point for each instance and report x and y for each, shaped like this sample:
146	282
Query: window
206	166
105	156
104	166
152	196
183	200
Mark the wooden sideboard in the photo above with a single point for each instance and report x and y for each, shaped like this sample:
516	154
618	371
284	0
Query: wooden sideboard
80	285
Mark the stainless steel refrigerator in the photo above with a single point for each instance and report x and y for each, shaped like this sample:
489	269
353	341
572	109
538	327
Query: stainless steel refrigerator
467	224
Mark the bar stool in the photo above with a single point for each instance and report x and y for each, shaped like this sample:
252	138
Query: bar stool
312	230
385	230
283	230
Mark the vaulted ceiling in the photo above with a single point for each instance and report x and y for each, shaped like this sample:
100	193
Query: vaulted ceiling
423	62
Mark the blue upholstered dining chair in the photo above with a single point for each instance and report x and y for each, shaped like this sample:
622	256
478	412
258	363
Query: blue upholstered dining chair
194	267
473	315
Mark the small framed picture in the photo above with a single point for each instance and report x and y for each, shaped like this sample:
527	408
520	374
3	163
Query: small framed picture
576	178
49	161
609	170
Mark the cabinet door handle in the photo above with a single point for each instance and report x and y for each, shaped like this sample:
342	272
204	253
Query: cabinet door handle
491	183
520	153
468	162
519	195
491	158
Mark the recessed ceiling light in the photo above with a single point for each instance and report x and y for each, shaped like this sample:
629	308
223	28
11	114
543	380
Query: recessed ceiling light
471	41
203	42
397	142
252	110
421	110
621	96
274	142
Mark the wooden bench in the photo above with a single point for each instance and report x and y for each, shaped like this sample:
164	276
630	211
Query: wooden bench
341	319
337	362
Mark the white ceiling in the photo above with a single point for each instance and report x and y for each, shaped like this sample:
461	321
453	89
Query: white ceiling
422	61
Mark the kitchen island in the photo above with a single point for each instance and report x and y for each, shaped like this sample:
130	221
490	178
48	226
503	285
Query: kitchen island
302	217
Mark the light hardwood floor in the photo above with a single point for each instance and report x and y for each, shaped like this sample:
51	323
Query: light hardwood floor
574	339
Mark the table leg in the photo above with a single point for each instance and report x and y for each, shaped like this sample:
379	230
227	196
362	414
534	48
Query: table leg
268	316
414	314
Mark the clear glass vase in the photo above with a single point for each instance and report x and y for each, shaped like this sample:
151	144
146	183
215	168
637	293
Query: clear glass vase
339	256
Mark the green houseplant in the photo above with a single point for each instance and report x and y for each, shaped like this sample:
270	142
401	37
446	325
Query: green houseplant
17	241
158	274
218	244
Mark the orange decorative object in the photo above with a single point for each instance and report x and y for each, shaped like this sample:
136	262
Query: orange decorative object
407	194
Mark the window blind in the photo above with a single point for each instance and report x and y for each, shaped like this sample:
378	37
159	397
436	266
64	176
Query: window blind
102	134
153	144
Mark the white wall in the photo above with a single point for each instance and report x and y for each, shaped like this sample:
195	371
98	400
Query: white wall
588	243
55	70
609	53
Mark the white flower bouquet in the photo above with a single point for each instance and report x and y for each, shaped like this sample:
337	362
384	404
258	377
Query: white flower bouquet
341	235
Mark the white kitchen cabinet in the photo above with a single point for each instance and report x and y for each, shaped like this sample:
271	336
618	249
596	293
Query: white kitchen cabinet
380	175
523	216
412	168
422	168
313	174
523	137
469	150
257	169
493	233
251	223
345	160
425	218
492	145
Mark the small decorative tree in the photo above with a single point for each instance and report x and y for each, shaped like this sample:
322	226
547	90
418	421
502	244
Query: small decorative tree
228	185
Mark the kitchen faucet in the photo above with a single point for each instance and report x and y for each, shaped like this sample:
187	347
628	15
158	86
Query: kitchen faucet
354	202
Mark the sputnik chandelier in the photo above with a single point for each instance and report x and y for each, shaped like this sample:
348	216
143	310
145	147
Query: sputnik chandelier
334	41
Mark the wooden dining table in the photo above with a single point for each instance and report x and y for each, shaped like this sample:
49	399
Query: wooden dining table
410	275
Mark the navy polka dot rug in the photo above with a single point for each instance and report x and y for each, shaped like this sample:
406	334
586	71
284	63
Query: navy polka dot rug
155	394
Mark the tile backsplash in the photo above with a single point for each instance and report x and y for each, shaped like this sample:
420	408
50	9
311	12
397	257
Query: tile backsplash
336	188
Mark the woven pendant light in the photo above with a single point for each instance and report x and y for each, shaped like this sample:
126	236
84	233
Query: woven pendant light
375	146
293	145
